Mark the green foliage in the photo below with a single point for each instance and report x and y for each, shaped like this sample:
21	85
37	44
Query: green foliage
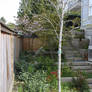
51	43
40	74
20	88
35	82
67	71
66	88
3	20
72	20
33	74
87	75
39	11
76	22
41	16
11	25
80	83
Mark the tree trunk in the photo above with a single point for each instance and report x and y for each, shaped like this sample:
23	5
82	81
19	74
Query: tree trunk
59	50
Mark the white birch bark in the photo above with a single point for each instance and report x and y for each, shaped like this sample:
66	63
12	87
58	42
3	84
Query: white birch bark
60	50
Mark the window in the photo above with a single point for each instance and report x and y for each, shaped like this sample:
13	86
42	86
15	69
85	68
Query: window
90	7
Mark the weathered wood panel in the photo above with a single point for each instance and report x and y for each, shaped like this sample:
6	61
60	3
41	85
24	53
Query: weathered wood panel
17	47
8	45
31	44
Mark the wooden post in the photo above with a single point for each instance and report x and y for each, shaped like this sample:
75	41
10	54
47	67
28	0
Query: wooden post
0	62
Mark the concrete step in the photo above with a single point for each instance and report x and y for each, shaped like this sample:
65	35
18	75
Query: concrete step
67	55
90	90
67	48
69	79
80	63
87	71
81	67
90	86
89	81
66	79
74	58
71	52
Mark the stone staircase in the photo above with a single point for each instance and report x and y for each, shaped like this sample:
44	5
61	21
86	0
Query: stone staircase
83	66
71	53
76	61
90	83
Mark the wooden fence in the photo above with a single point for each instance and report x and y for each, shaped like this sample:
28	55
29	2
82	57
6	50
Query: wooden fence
10	47
31	44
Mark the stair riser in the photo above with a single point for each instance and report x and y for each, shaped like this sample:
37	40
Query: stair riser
81	67
69	51
87	71
69	79
80	64
73	57
90	86
89	81
73	60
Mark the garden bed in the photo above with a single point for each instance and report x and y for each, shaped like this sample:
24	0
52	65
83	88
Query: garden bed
39	74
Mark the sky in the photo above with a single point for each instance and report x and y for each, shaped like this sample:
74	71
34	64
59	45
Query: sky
8	9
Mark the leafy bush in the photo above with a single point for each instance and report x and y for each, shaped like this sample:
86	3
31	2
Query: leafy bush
67	71
80	83
52	79
33	73
36	82
66	88
20	88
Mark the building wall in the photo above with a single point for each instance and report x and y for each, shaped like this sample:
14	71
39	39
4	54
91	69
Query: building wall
86	24
86	20
7	58
74	5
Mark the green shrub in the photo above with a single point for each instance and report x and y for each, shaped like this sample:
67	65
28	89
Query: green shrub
80	83
36	82
66	88
67	71
33	73
20	88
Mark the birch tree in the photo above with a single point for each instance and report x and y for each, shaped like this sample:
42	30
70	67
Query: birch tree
39	19
60	45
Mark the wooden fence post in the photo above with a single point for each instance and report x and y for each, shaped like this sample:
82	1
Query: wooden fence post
0	63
